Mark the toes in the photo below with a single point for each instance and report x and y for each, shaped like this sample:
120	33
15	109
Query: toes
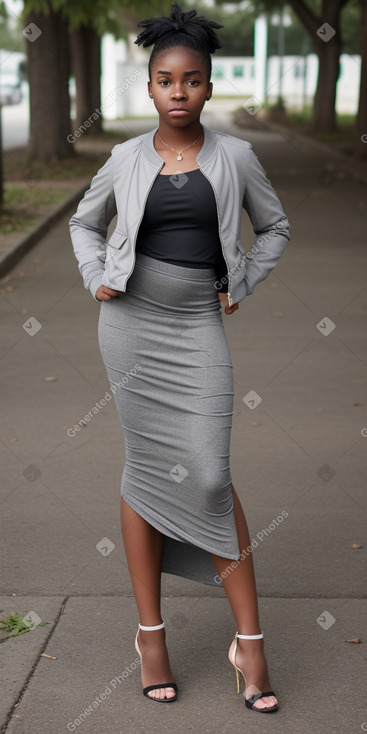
265	703
170	692
162	693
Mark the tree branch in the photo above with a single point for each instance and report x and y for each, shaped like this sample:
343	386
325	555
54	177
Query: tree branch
310	21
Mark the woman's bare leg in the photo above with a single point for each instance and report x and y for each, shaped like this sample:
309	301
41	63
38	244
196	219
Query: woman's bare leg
143	548
240	587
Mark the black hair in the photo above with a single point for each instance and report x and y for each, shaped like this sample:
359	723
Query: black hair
180	29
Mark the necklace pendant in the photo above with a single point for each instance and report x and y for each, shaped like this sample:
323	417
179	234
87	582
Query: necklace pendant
180	157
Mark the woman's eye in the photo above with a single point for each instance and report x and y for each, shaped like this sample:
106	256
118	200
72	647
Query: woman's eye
191	82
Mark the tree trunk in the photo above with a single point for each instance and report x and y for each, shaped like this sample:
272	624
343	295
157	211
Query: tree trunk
325	34
48	74
361	148
86	63
324	113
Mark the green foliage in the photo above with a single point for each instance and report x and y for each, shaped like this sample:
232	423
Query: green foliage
297	40
4	12
100	14
14	624
10	38
237	34
103	15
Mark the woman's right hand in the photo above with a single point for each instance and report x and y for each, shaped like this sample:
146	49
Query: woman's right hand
223	297
103	293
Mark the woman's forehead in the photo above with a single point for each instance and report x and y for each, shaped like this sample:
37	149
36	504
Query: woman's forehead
179	56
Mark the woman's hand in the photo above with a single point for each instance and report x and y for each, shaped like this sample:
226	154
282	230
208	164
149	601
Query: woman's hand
223	297
103	293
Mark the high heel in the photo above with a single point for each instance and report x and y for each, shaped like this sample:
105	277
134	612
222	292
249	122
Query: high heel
252	699
159	685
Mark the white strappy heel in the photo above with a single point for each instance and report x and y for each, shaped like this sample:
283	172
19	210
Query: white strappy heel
252	699
159	685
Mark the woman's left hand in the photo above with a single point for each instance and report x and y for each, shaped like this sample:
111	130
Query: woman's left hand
223	297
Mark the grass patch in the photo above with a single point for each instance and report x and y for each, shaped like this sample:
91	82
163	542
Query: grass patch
81	166
31	187
22	204
302	119
90	154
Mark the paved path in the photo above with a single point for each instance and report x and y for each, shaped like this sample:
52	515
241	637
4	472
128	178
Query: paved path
299	342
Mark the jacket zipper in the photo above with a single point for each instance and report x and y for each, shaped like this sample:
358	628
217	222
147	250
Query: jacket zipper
139	223
230	299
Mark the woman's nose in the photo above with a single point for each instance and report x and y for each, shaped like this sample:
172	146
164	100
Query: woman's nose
178	92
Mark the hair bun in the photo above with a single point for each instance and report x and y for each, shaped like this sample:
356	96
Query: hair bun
198	27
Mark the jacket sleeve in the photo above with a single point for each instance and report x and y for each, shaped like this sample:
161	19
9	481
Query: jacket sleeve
89	226
269	223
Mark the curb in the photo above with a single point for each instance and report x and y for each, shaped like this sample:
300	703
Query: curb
9	259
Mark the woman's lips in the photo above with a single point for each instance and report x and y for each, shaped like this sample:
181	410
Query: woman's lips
178	111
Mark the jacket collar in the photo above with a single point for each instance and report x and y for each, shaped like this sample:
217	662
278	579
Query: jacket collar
207	150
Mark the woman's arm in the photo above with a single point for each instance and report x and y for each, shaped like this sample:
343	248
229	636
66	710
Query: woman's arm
89	225
269	222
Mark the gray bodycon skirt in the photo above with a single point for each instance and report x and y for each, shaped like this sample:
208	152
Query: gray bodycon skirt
170	370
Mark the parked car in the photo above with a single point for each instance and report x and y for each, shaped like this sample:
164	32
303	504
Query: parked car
10	89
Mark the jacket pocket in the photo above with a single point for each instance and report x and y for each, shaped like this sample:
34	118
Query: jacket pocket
117	240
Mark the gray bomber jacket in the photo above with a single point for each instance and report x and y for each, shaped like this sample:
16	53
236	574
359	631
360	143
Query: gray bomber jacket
122	186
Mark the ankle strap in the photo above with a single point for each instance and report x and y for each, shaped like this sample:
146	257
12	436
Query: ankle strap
250	637
157	627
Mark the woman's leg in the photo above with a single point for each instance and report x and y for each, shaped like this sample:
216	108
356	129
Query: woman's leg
143	547
240	587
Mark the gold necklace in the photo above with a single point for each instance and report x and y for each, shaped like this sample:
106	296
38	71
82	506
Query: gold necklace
180	156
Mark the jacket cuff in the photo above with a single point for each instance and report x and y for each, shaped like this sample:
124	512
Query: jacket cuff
94	284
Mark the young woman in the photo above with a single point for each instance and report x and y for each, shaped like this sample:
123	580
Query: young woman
174	259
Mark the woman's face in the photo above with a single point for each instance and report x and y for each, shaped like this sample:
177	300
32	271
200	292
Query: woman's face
179	86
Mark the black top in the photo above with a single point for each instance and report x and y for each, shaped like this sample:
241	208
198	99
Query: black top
180	223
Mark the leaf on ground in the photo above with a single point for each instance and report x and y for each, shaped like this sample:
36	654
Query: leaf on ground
14	624
45	655
355	640
356	545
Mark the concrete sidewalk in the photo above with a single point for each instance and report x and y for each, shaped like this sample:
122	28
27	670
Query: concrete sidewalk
299	342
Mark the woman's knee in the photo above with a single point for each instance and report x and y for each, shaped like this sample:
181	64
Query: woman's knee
212	484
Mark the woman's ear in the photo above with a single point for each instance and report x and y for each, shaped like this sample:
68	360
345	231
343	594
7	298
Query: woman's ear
150	89
209	92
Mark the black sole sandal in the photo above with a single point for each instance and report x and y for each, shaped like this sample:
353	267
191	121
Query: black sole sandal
159	685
